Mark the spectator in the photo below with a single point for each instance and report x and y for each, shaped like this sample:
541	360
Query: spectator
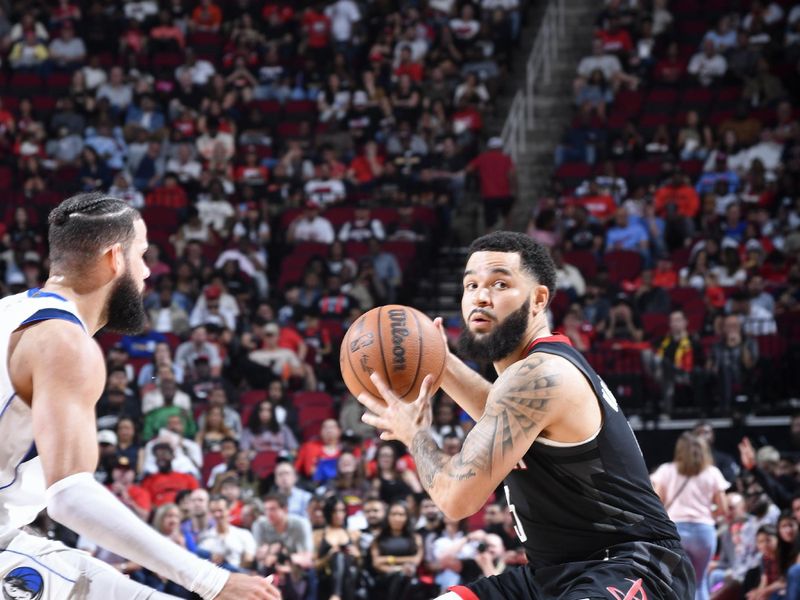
292	532
723	35
264	434
607	63
361	227
689	487
497	175
708	65
286	484
325	189
732	362
283	363
213	430
396	553
625	234
226	543
166	483
131	495
67	51
393	480
28	54
198	345
316	459
207	16
387	270
116	90
756	320
187	455
337	553
678	361
310	226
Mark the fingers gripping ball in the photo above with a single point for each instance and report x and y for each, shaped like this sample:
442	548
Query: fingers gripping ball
400	343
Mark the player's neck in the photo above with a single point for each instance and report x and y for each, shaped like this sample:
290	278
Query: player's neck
538	329
89	300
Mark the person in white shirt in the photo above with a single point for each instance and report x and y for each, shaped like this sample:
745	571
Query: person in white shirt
286	484
609	64
311	227
187	456
184	165
236	546
200	70
324	189
344	14
707	65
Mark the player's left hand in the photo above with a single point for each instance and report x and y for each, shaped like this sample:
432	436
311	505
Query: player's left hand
397	420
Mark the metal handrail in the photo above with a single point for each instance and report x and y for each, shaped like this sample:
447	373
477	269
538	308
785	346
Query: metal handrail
522	115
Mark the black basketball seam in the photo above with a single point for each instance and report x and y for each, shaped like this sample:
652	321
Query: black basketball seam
349	358
388	379
419	357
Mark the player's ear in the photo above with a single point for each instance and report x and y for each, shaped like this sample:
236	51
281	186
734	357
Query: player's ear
114	257
540	297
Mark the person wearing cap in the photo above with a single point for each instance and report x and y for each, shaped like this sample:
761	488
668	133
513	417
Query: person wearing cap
498	181
731	363
324	188
310	226
164	484
131	495
283	363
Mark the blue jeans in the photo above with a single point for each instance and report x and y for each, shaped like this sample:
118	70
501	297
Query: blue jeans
699	541
793	582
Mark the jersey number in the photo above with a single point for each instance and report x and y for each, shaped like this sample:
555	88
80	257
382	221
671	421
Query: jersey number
517	523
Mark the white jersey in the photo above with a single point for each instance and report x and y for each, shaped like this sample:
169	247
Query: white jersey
22	483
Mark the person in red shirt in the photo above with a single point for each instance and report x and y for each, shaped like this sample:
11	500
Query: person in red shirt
615	39
206	17
164	485
317	30
407	65
133	496
498	177
677	195
320	455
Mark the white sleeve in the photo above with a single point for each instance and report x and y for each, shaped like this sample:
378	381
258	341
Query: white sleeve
86	507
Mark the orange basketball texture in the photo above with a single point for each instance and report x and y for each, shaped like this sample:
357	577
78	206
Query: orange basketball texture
400	343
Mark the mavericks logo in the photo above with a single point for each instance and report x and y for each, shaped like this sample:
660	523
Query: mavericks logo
23	583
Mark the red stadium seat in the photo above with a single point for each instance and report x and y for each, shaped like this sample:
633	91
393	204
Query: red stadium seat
655	325
305	399
623	265
210	460
584	261
263	463
252	397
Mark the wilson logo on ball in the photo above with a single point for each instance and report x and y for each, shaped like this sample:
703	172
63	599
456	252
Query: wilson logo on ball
400	332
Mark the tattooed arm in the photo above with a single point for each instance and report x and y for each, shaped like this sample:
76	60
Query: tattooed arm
523	402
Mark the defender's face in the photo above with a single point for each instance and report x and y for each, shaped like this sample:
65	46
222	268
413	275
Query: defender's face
494	287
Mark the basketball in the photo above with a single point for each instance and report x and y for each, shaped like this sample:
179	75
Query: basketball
400	343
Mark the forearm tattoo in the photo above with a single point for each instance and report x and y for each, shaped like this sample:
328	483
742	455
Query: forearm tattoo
517	404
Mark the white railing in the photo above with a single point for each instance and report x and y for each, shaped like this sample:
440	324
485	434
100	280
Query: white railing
522	116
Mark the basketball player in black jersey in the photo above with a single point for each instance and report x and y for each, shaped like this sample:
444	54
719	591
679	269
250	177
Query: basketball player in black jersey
575	479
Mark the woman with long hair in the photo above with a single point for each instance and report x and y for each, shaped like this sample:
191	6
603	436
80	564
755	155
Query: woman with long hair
693	492
350	483
285	412
214	430
263	432
396	553
392	482
337	553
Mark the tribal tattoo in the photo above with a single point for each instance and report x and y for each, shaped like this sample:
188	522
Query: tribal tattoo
516	407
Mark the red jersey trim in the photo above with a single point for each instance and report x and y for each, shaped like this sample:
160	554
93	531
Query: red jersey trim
555	338
463	592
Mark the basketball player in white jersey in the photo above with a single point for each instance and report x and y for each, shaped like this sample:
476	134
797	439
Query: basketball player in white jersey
51	374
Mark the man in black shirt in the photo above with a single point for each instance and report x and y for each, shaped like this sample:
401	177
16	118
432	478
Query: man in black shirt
575	480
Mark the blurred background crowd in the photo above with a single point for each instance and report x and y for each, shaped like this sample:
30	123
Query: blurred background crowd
298	163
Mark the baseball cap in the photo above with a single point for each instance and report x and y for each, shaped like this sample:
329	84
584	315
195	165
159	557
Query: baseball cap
122	462
272	329
213	292
106	436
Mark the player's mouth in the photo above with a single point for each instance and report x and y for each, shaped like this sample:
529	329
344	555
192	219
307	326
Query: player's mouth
480	320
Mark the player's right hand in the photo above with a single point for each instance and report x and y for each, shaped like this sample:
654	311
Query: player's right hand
249	587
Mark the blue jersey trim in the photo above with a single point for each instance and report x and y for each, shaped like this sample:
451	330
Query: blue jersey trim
37	292
41	564
47	314
6	405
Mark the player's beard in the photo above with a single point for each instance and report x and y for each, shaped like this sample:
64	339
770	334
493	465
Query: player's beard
499	343
125	307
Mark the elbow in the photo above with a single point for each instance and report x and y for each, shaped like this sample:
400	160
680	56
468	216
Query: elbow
459	508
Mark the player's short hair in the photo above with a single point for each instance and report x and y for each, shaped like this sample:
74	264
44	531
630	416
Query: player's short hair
83	225
535	258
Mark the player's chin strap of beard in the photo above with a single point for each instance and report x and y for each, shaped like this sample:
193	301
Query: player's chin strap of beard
85	506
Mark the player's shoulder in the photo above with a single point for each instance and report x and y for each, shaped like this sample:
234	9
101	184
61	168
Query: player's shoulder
61	342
